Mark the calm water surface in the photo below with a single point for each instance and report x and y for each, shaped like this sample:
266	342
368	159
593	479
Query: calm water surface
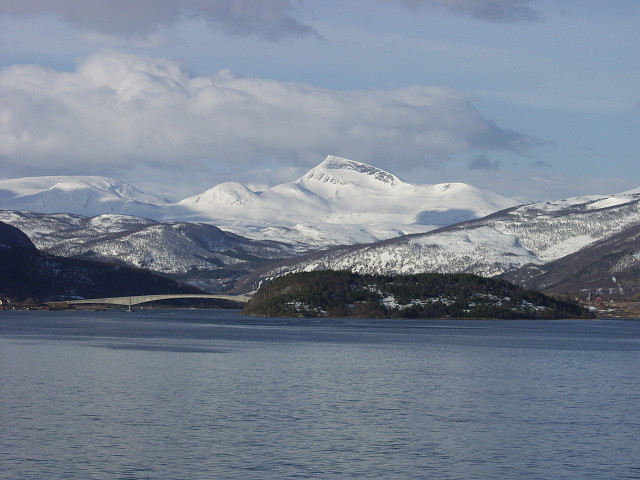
213	394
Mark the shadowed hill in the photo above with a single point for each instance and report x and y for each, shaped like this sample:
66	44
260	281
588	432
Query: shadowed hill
13	237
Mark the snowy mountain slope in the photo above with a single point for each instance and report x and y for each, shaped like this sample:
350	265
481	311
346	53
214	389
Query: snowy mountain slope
340	201
531	234
483	251
82	195
175	248
552	230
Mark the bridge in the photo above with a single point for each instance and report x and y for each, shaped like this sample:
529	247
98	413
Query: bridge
138	299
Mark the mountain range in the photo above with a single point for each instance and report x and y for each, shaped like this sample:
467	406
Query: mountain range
338	202
341	215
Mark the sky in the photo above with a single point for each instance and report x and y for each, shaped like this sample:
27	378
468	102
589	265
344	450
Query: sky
534	99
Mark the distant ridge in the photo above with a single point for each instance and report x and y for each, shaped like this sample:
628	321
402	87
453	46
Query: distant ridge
581	244
336	171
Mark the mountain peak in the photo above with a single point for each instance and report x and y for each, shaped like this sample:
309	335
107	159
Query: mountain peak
336	163
336	171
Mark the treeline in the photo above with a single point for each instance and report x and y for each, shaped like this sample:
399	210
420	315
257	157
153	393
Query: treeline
429	295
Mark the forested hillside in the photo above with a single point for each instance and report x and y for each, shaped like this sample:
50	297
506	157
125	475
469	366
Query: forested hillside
345	294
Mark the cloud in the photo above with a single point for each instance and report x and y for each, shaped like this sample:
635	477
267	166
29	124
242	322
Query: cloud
501	11
271	19
118	110
482	162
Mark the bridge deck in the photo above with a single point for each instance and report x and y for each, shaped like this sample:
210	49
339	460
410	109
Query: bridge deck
138	299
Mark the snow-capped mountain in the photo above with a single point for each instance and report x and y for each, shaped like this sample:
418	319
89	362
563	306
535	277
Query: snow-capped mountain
532	234
340	201
82	195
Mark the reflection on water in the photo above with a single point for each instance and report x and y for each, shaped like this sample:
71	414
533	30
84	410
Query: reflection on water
209	394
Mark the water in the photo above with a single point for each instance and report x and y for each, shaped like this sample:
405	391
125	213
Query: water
213	394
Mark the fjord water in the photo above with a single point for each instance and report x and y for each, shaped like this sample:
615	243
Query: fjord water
214	394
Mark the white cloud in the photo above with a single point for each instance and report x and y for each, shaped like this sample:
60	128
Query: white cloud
118	110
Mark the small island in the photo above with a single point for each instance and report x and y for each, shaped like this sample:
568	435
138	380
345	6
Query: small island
429	295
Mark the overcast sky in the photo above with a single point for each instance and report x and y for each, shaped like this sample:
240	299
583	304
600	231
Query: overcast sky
536	99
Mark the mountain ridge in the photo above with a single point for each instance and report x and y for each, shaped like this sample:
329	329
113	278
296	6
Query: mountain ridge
27	273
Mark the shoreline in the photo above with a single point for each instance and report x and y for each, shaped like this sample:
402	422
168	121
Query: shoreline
602	311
